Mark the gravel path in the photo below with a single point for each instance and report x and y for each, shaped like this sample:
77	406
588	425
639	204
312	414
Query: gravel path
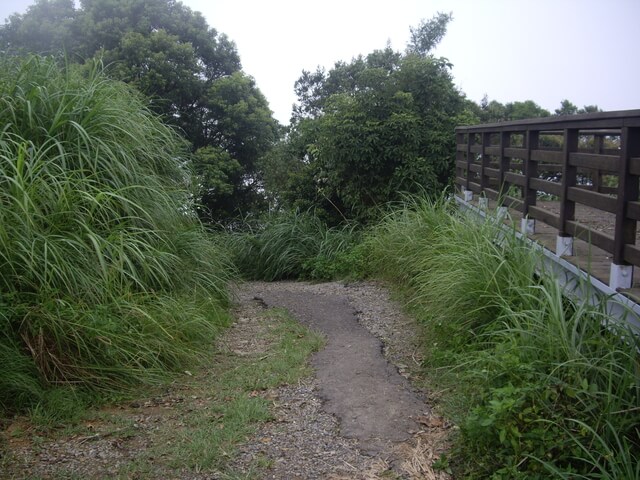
314	434
359	417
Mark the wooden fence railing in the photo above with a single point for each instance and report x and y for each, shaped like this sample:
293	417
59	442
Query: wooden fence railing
591	159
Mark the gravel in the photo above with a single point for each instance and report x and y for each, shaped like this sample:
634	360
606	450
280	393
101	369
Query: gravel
305	442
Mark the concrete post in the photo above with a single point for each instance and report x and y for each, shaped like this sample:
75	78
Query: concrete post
528	226
621	276
467	195
564	246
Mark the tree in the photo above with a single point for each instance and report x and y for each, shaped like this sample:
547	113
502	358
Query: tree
526	109
244	124
236	119
491	111
49	26
566	108
314	89
494	111
217	176
590	109
428	34
191	73
365	149
368	130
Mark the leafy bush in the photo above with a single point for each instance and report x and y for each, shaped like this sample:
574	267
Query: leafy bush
106	280
542	384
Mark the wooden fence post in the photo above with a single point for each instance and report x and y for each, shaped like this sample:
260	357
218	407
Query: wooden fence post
598	146
505	142
468	195
485	161
564	242
621	275
460	157
530	195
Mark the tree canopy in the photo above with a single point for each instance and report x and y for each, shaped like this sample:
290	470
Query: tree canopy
363	132
568	108
494	111
428	34
191	73
368	130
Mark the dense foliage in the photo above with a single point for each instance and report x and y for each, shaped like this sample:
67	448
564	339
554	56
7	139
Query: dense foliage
191	74
367	130
106	278
295	245
494	111
540	386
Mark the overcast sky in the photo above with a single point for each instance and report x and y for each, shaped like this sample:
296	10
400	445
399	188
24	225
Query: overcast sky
511	50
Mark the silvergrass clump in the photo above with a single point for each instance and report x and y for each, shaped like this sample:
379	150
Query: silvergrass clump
294	244
106	278
543	385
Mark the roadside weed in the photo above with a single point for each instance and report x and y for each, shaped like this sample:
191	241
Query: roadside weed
106	279
237	403
297	245
538	384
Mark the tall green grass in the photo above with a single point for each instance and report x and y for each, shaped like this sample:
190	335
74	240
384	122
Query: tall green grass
106	279
539	385
288	245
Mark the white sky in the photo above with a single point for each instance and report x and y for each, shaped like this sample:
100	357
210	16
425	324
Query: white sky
545	50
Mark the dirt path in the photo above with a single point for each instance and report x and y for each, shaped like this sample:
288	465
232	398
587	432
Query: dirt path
358	417
373	402
389	426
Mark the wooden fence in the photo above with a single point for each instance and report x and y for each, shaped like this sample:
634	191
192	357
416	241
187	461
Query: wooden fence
591	160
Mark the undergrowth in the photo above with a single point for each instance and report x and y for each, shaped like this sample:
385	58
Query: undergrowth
106	280
295	245
540	385
191	427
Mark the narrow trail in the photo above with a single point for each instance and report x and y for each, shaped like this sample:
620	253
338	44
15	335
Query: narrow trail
389	424
358	417
373	402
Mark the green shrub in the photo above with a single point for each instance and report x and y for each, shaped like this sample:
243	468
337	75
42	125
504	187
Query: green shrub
106	279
